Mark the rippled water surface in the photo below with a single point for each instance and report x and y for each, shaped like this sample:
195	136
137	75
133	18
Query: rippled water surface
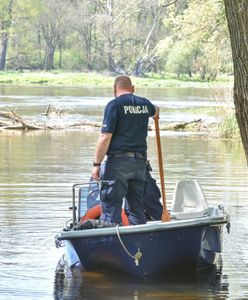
37	170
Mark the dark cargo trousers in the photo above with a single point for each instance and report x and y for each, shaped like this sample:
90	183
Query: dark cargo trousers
123	177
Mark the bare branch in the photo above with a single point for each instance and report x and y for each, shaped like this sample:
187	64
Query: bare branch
171	3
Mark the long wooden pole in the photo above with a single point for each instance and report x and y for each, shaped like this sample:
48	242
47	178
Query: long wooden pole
165	215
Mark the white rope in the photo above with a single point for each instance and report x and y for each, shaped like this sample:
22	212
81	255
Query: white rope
137	255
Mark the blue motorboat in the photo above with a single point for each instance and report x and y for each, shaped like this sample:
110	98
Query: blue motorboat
192	239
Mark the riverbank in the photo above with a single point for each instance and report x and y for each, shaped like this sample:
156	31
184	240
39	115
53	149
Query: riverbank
225	126
101	80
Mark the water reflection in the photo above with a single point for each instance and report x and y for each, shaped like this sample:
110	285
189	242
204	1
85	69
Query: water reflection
203	284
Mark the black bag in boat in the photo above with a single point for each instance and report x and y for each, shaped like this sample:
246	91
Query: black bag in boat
93	224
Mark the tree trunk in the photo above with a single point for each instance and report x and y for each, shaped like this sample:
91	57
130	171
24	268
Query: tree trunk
237	17
5	26
4	51
139	69
49	58
60	57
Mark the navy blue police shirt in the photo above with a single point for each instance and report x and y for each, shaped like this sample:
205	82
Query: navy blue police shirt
127	117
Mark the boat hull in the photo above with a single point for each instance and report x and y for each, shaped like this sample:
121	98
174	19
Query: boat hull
177	247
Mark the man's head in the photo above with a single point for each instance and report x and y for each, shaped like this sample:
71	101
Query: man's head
123	85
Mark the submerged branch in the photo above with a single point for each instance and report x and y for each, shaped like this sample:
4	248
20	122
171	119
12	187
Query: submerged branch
11	120
16	121
180	126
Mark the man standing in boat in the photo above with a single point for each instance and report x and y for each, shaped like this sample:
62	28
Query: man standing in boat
123	139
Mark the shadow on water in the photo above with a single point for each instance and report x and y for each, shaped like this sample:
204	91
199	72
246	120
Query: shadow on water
202	284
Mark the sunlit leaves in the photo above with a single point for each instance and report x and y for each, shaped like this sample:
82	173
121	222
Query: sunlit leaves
130	36
200	37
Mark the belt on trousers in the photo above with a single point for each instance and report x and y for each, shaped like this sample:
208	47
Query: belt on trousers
127	155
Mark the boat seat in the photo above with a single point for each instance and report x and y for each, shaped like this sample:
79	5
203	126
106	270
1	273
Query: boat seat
189	201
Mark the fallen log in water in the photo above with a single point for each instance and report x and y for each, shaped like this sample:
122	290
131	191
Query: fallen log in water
180	126
26	125
17	121
14	121
87	123
3	123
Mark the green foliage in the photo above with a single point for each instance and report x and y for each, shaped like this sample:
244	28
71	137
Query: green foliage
136	37
200	39
228	128
181	59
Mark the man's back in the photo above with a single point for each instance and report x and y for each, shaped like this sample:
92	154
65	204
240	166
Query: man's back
127	118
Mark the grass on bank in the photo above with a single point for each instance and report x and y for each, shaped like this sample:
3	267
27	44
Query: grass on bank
55	78
228	127
98	79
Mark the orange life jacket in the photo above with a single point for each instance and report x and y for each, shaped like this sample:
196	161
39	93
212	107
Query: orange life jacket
95	212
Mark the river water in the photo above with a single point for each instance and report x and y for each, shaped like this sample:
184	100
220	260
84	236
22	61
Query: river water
38	169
